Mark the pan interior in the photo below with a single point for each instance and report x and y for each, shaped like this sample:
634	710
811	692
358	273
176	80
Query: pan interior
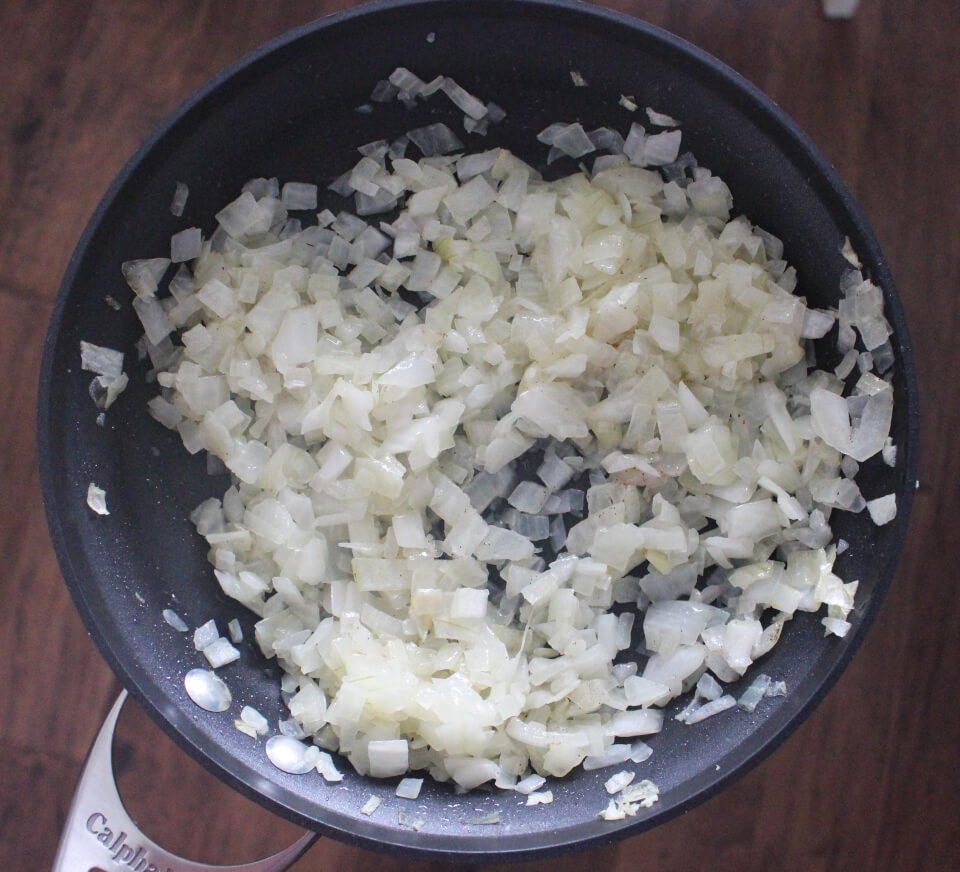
289	111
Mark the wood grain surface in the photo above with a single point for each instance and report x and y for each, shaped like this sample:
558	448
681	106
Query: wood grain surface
868	782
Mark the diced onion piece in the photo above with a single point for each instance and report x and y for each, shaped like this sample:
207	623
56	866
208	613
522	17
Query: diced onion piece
486	820
255	720
463	100
661	149
777	688
613	812
817	323
246	729
244	217
327	769
754	693
530	784
709	709
105	389
180	194
101	360
206	634
644	793
435	139
175	621
186	245
661	120
573	141
387	757
298	196
612	756
708	687
220	652
617	782
836	626
97	499
371	805
544	797
236	632
144	276
409	788
883	509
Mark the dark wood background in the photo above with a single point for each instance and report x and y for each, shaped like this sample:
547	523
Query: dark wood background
868	782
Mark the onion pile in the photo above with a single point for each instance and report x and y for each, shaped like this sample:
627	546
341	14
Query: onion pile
476	446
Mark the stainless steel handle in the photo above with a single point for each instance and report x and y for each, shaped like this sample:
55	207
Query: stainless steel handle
99	834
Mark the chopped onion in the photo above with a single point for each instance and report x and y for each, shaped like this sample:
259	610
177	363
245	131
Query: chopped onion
435	139
530	784
144	276
384	92
246	729
460	434
777	688
573	141
612	756
754	693
298	196
186	245
464	101
883	509
220	652
97	499
236	632
327	769
708	687
105	389
642	794
486	820
660	120
409	788
528	497
371	805
103	361
255	720
709	709
179	202
175	621
544	797
617	782
407	82
387	757
206	634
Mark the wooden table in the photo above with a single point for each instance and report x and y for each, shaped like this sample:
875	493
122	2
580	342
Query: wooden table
868	782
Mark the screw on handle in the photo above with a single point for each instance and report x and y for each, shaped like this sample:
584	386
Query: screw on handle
99	834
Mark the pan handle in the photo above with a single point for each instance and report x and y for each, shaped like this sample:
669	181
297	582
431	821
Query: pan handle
99	834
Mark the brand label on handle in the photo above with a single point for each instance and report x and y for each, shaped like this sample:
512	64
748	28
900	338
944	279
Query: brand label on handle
115	844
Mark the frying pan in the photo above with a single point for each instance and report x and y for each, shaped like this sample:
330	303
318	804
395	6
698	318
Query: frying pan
288	110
